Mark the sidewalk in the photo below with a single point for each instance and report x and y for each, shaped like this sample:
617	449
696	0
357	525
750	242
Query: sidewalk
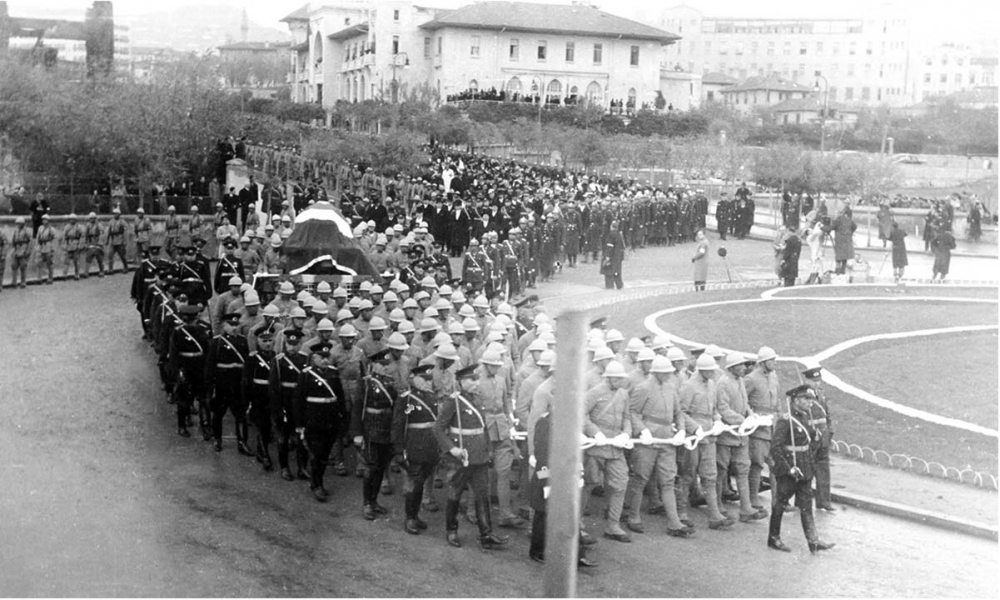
920	498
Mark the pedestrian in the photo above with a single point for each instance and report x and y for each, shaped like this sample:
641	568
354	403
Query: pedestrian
187	352
885	222
942	245
843	241
733	451
612	257
791	250
371	430
792	451
762	396
814	238
460	430
38	207
286	368
975	220
700	261
227	357
45	237
414	415
821	421
495	394
898	238
21	243
257	389
143	229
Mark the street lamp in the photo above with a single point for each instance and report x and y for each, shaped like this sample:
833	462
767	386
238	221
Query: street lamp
399	60
822	115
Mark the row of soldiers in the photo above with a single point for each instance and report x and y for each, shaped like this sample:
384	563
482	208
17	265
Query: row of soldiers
421	375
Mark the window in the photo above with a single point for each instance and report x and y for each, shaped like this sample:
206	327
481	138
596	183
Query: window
958	78
836	48
395	44
708	47
542	50
395	15
570	52
959	61
739	47
850	70
440	43
802	48
754	47
866	93
723	48
474	47
347	22
515	49
944	61
819	47
929	62
868	49
853	48
944	78
849	93
427	47
598	53
787	49
633	58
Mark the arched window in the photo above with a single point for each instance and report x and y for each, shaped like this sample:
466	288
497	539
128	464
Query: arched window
318	49
354	90
514	85
553	92
631	96
473	86
362	88
573	91
594	93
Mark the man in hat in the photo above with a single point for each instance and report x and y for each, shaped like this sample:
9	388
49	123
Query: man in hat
195	224
733	451
498	410
116	239
286	368
145	276
229	266
319	413
793	450
460	430
762	395
257	387
45	237
187	352
612	257
143	231
21	244
475	266
606	419
227	357
274	262
723	214
349	360
414	415
819	419
247	255
371	430
173	231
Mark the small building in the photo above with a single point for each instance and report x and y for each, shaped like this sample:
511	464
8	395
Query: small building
681	90
713	83
800	111
762	92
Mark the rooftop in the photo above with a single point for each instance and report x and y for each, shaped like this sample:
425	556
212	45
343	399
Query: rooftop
810	104
769	82
548	18
351	31
300	14
718	79
256	46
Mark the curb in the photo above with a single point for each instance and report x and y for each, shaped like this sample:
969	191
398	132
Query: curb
763	238
917	515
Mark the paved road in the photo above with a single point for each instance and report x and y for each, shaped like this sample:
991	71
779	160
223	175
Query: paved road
101	498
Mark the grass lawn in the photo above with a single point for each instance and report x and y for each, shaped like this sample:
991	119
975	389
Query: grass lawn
803	328
888	291
951	375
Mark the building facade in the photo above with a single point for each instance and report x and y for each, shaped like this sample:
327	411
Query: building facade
865	60
355	51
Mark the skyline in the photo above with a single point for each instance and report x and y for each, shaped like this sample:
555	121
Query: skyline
962	20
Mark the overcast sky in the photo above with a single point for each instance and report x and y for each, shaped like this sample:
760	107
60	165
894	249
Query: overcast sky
950	20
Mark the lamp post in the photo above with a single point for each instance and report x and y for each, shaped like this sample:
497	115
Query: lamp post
399	60
826	106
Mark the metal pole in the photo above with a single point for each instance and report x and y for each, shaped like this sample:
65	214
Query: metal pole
565	459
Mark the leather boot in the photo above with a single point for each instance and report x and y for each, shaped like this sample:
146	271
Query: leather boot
809	527
487	539
259	455
774	526
451	515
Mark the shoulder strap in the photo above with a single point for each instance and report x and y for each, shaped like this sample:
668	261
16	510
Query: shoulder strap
233	348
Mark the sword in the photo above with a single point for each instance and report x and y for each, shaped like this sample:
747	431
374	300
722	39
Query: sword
461	440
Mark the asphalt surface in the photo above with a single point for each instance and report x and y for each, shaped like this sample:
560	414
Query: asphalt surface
101	498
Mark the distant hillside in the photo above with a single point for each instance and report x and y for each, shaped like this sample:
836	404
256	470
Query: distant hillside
194	28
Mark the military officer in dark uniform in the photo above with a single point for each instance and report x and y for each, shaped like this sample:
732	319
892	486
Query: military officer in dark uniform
286	368
819	419
371	430
414	415
229	266
187	351
257	388
227	357
474	267
145	276
319	413
612	257
193	275
793	450
723	214
461	434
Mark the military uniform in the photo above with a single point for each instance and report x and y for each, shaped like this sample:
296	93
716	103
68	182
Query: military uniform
173	230
606	411
92	234
284	381
698	399
188	345
819	418
143	231
21	243
494	394
762	395
116	239
319	415
371	420
46	240
72	246
733	450
414	415
227	268
227	357
256	390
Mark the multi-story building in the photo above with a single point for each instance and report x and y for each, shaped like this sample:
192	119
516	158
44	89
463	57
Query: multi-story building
943	69
865	60
761	93
354	50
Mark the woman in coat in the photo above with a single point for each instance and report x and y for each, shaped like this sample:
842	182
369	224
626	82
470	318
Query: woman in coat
843	240
898	238
700	261
942	245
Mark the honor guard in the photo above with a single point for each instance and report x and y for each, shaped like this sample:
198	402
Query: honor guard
256	389
413	438
793	450
286	368
319	413
461	434
229	266
820	419
371	430
227	357
187	353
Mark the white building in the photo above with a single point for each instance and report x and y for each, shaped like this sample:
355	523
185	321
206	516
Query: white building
354	50
864	60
